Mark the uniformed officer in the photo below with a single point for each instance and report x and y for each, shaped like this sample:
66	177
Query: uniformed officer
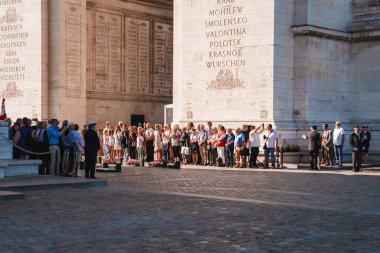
366	139
92	145
356	142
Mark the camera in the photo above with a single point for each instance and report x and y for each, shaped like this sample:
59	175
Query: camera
265	137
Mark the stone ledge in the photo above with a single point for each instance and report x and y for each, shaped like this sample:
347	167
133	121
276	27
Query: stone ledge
11	168
320	32
48	182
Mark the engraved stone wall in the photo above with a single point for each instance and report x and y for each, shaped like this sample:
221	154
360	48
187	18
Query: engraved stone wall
108	52
129	53
73	49
21	66
163	59
226	59
137	55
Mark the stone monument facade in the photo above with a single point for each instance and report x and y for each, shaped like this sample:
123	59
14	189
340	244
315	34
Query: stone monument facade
85	60
293	63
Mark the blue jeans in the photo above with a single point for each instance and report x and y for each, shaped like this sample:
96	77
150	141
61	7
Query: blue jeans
273	158
230	156
126	154
338	151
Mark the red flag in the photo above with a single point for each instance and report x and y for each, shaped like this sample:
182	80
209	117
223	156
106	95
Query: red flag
3	114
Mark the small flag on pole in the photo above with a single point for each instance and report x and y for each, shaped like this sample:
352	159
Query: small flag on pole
3	114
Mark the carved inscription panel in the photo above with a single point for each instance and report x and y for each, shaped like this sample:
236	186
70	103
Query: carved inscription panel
163	59
108	51
73	48
137	56
129	54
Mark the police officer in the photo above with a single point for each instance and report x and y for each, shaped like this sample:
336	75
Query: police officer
356	142
92	145
366	139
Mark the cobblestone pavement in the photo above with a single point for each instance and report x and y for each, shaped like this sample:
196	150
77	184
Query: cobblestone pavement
156	210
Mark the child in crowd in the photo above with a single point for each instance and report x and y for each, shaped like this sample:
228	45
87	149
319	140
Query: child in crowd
106	149
111	143
194	146
140	144
100	134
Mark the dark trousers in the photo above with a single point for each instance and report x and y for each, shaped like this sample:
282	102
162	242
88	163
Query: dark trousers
254	155
132	152
313	156
90	163
357	160
149	151
230	156
44	167
245	156
214	155
209	156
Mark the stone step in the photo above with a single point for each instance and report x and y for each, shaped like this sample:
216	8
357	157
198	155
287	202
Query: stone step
48	182
12	168
8	195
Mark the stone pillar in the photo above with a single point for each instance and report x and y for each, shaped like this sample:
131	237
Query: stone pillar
67	60
223	61
23	52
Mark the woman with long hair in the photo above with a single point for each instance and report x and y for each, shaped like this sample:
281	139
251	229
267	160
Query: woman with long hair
117	146
194	146
133	141
111	143
158	142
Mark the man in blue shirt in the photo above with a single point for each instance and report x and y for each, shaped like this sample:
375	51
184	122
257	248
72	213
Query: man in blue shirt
76	139
55	155
230	148
239	147
202	143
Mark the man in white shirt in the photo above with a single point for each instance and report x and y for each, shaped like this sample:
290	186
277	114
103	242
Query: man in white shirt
149	134
254	144
338	141
271	143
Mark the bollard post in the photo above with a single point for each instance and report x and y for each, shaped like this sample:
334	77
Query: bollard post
282	157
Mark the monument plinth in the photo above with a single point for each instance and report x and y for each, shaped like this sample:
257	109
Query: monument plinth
5	146
8	166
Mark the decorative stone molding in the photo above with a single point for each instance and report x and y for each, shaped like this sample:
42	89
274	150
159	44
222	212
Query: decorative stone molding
320	32
123	96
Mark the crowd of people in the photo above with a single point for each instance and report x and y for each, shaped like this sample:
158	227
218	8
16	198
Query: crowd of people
207	146
61	147
327	148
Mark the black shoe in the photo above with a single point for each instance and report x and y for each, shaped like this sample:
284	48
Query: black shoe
93	177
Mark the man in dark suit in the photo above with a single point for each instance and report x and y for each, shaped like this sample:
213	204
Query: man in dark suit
92	145
356	142
313	147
